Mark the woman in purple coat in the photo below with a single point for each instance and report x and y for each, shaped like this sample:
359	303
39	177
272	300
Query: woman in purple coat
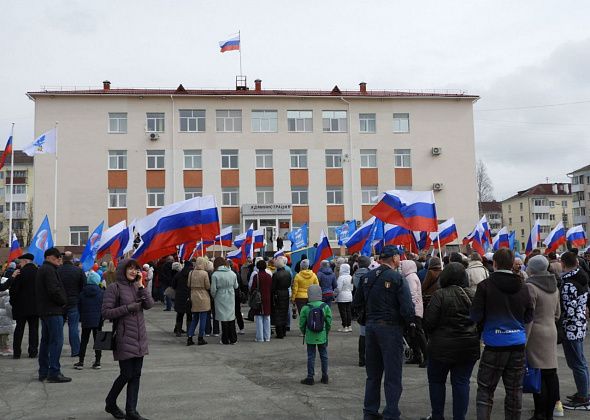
124	302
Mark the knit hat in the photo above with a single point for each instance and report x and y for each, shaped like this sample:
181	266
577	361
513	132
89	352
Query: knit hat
538	264
364	261
314	293
434	263
92	277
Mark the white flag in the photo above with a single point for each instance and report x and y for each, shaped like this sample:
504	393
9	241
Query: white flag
45	143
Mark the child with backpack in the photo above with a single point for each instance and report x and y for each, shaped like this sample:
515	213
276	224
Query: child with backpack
315	321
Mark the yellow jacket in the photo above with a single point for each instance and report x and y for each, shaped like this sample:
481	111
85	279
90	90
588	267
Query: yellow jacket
302	281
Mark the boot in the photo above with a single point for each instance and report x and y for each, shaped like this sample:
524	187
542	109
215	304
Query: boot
190	342
361	350
201	341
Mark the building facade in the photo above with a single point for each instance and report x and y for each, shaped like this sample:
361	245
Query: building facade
549	203
493	212
274	158
581	198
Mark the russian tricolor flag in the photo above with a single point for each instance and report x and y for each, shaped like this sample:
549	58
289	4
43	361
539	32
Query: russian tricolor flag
176	223
397	235
225	237
113	241
476	239
534	238
15	250
413	210
576	236
487	233
323	252
258	239
501	240
555	239
236	255
447	233
358	238
6	153
232	44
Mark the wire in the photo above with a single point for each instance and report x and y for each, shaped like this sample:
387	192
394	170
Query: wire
533	106
533	122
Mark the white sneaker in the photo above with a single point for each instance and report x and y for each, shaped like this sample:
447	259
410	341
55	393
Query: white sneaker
348	329
241	332
342	329
558	410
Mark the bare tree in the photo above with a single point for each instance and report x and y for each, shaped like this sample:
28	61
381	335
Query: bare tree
28	230
485	188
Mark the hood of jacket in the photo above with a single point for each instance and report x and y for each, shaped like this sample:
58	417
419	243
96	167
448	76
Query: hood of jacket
122	267
325	270
223	268
453	274
408	267
306	274
91	290
545	282
473	264
344	270
507	282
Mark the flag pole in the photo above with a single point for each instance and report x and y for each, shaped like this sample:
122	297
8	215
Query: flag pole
11	186
240	38
55	190
442	264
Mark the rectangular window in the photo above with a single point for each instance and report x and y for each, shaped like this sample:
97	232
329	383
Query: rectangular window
228	120
300	121
298	158
155	159
117	122
510	221
264	195
17	189
521	232
117	198
264	159
299	196
230	197
155	122
192	159
334	195
367	194
552	217
117	159
509	208
155	197
20	174
401	123
564	203
78	235
521	219
334	121
192	120
368	158
192	193
521	206
333	158
402	158
229	159
367	123
264	121
19	208
332	231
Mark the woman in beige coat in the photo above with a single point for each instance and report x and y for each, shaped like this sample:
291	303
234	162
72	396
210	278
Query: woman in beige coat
542	334
199	285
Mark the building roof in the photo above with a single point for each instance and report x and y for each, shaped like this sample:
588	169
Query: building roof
21	158
557	189
583	169
491	206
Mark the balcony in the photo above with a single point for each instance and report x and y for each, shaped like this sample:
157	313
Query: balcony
17	180
577	204
16	214
577	187
22	198
540	209
578	220
544	222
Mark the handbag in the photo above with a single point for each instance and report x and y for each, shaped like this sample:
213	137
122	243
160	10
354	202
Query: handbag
107	340
255	299
531	382
170	293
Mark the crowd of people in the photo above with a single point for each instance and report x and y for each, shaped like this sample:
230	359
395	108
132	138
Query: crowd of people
409	309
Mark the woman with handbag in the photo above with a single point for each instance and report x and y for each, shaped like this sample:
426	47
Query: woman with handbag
124	302
263	284
179	283
200	301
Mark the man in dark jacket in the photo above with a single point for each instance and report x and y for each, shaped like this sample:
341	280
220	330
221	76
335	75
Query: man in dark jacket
166	275
24	306
51	303
501	306
73	280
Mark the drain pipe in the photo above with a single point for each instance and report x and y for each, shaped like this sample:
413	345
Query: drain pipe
352	209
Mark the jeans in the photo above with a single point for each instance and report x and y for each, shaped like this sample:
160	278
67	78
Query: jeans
262	327
323	351
437	378
345	313
19	331
574	356
328	300
73	318
384	354
52	341
168	303
179	321
199	318
84	343
508	365
130	373
549	395
228	332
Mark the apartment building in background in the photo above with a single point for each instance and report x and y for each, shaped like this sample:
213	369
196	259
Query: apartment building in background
274	158
550	203
581	198
493	212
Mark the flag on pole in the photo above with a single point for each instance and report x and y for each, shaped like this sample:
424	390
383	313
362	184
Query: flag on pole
344	231
501	240
555	239
232	44
298	238
476	238
113	241
89	254
413	210
6	153
447	233
15	250
534	237
357	240
576	236
512	239
45	143
323	252
41	242
225	236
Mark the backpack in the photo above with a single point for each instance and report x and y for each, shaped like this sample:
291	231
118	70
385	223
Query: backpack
315	318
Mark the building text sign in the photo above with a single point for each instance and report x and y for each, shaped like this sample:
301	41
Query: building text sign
266	209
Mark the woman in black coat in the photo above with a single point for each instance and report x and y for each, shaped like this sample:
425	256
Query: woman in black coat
180	285
281	281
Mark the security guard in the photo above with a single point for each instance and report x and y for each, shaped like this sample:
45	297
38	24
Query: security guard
388	307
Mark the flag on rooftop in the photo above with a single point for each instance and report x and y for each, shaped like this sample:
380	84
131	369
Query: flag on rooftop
232	44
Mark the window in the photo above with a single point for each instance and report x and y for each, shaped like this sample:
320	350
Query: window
521	219
551	217
229	197
334	195
540	202
18	189
334	121
1	194
264	195
300	121
20	174
509	208
367	123
564	218
401	123
229	159
564	203
192	193
229	120
155	159
402	158
333	158
551	204
367	194
521	206
117	159
155	122
78	235
117	122
192	159
192	120
510	221
368	158
117	198
264	121
332	231
264	159
521	232
299	196
298	158
155	197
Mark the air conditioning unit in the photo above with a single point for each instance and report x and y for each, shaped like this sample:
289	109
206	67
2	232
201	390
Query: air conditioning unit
436	151
153	136
437	186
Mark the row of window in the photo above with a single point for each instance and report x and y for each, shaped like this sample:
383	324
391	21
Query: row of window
540	202
579	179
155	159
262	121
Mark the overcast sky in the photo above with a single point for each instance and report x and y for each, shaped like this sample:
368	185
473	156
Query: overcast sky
528	60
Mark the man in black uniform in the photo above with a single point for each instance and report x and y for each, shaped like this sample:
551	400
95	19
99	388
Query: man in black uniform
388	307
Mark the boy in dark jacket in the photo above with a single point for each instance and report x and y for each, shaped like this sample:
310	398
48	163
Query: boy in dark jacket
501	306
89	305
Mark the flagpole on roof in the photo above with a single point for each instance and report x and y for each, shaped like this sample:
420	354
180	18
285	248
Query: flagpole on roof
11	186
240	50
55	191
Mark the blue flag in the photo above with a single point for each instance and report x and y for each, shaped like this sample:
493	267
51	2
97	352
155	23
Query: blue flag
376	235
511	238
41	242
298	238
344	231
89	254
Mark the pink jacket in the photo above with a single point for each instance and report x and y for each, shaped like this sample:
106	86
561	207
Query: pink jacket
409	270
